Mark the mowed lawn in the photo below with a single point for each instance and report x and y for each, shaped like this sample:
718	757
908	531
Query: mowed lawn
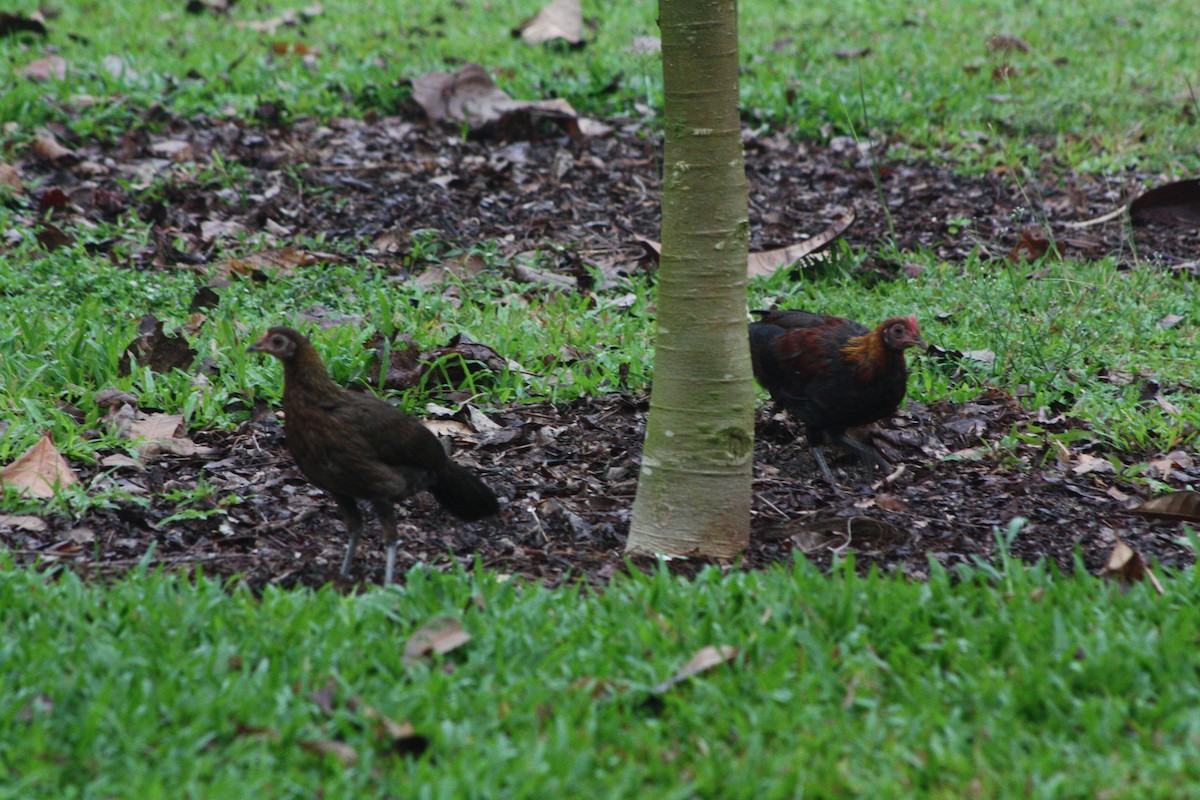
999	680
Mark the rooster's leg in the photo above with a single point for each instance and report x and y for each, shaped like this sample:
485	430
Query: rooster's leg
354	525
818	453
387	520
867	455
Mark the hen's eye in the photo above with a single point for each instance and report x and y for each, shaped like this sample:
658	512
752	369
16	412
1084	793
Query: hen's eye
277	341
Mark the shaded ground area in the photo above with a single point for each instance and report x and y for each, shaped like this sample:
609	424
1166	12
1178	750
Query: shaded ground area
567	474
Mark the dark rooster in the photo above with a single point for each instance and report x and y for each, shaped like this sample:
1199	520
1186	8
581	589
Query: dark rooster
832	373
355	446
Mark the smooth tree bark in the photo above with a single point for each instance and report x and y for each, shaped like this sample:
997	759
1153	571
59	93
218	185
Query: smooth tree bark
693	495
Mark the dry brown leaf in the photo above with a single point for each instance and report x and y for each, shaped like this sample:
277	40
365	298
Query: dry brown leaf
561	19
550	280
173	447
480	422
288	17
213	229
44	69
323	696
53	198
177	150
453	269
1159	468
818	533
258	731
1003	43
767	262
1128	566
41	470
119	460
50	237
1003	73
408	365
404	366
81	535
1088	463
592	127
343	752
467	95
119	419
1183	506
440	635
704	659
47	146
470	96
402	737
264	264
154	348
23	522
162	435
450	365
113	398
451	428
1119	496
11	178
652	249
982	356
1030	246
154	427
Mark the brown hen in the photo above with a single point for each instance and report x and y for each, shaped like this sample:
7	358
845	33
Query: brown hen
355	446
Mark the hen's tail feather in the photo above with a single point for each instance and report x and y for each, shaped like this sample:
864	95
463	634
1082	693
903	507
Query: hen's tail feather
463	494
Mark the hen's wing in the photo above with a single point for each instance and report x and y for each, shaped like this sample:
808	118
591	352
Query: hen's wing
390	435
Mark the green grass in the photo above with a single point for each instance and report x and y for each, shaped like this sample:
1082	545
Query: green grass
1103	86
1020	685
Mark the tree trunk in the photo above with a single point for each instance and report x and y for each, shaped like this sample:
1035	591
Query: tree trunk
693	495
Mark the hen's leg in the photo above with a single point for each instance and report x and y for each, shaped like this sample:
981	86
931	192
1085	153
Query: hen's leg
352	515
387	520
